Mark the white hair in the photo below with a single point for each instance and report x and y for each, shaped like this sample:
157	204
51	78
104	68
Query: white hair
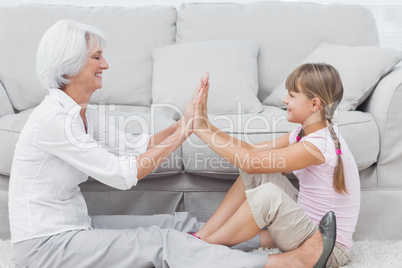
63	51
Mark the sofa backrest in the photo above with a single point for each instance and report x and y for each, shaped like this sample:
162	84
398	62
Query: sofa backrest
132	34
285	32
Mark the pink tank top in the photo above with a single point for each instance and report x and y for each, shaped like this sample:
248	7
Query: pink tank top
317	195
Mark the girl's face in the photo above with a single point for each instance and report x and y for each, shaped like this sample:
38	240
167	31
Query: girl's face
299	107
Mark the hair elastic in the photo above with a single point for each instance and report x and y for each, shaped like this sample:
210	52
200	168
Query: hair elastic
338	151
298	138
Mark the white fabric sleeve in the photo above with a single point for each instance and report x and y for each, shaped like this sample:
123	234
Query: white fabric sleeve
70	143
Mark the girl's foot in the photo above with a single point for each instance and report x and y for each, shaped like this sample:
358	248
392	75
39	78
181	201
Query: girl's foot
194	234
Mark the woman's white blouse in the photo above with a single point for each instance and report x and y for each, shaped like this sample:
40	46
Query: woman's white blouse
53	155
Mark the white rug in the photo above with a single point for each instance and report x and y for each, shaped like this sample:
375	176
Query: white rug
366	254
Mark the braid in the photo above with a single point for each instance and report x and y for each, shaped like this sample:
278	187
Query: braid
339	176
333	134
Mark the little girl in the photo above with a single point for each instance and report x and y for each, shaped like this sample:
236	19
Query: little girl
315	152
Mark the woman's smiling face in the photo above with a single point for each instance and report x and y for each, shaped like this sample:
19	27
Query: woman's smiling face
90	76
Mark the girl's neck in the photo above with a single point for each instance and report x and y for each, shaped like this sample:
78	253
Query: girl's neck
313	127
314	122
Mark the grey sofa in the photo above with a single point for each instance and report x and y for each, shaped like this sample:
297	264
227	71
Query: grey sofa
269	39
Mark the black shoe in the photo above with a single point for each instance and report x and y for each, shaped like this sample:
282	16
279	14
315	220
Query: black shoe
327	229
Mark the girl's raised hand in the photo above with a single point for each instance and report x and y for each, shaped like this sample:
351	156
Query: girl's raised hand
188	117
201	114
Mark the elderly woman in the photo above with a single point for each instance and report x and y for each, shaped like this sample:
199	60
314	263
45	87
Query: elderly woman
64	142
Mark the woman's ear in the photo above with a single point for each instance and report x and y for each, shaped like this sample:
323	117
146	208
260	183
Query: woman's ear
317	104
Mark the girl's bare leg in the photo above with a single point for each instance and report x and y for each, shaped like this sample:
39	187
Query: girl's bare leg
239	228
230	204
266	240
242	227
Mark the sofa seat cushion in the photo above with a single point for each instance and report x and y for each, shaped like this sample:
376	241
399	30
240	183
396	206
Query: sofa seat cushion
132	34
131	119
306	25
271	124
5	105
10	129
232	67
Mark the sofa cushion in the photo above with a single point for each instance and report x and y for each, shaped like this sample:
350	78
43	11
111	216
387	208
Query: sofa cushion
285	32
271	124
232	66
131	119
132	34
10	129
5	105
360	68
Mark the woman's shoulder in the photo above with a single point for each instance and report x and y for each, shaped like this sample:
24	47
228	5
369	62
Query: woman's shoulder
47	110
48	116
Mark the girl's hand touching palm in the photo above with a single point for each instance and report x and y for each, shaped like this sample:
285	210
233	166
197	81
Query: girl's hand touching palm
201	114
187	121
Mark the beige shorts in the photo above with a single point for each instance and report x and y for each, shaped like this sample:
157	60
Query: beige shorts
272	200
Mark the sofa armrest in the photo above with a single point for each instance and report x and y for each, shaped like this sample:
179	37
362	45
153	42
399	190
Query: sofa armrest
5	105
384	105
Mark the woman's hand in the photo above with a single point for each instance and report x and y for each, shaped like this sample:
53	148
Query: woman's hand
187	121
